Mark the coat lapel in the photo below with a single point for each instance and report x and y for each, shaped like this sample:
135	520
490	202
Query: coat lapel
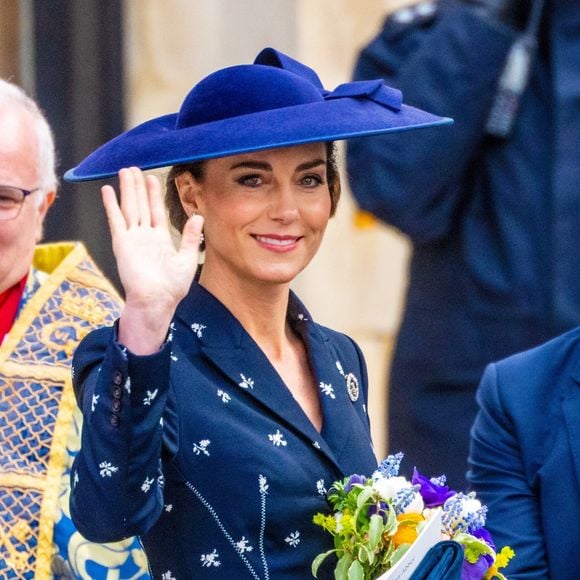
231	350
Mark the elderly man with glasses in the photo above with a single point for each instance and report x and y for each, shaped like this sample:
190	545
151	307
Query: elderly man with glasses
50	297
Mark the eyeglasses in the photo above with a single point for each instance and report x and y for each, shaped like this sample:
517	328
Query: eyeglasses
11	200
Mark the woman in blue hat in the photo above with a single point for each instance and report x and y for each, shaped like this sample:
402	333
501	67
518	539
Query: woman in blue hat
216	411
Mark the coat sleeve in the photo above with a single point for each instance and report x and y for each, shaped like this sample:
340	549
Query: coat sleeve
128	426
449	65
497	473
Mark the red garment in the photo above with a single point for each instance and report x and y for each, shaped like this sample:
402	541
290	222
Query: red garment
9	301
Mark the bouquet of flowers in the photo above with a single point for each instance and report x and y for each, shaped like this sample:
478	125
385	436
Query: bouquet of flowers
375	520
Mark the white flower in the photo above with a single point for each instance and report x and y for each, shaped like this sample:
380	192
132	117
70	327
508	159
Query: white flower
150	397
243	546
201	447
75	479
247	382
198	329
168	507
174	358
146	486
404	496
328	390
128	385
462	512
106	469
316	444
223	396
320	487
209	560
263	482
167	576
94	401
293	539
277	439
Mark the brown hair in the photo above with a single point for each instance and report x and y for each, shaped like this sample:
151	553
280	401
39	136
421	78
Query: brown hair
177	215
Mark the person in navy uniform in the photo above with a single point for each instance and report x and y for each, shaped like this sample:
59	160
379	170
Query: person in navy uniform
217	413
493	211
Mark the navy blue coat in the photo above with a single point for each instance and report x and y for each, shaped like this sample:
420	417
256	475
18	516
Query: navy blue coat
525	457
494	223
202	451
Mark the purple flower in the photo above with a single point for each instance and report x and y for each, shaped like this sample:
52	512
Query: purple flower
433	491
475	571
380	509
360	479
483	534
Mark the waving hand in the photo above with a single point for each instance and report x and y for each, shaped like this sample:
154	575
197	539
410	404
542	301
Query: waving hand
154	273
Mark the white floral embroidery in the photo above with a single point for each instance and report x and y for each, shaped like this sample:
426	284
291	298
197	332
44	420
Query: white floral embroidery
302	317
209	560
364	408
339	367
277	439
198	329
128	385
72	372
328	390
75	479
263	482
168	507
223	396
146	486
293	539
320	487
161	481
161	421
170	334
150	396
106	469
167	576
243	546
201	447
247	382
174	358
316	444
94	402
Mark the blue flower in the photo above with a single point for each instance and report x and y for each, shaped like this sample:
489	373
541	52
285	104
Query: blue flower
390	466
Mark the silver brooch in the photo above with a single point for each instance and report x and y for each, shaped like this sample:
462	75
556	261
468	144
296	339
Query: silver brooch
352	387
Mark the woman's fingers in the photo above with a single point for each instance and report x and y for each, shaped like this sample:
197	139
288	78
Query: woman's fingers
114	214
128	196
156	206
141	197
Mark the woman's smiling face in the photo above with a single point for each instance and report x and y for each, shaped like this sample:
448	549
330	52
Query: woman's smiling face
265	212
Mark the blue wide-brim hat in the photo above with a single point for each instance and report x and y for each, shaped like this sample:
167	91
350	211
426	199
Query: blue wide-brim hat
274	102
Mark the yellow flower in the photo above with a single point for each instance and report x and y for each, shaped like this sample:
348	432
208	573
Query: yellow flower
407	530
326	522
504	557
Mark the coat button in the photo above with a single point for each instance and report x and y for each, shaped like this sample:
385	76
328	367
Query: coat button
117	392
116	405
115	421
117	378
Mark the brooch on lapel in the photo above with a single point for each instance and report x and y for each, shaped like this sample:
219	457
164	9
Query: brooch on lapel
352	385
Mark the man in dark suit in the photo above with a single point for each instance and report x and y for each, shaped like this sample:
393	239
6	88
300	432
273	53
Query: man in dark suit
492	209
525	457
